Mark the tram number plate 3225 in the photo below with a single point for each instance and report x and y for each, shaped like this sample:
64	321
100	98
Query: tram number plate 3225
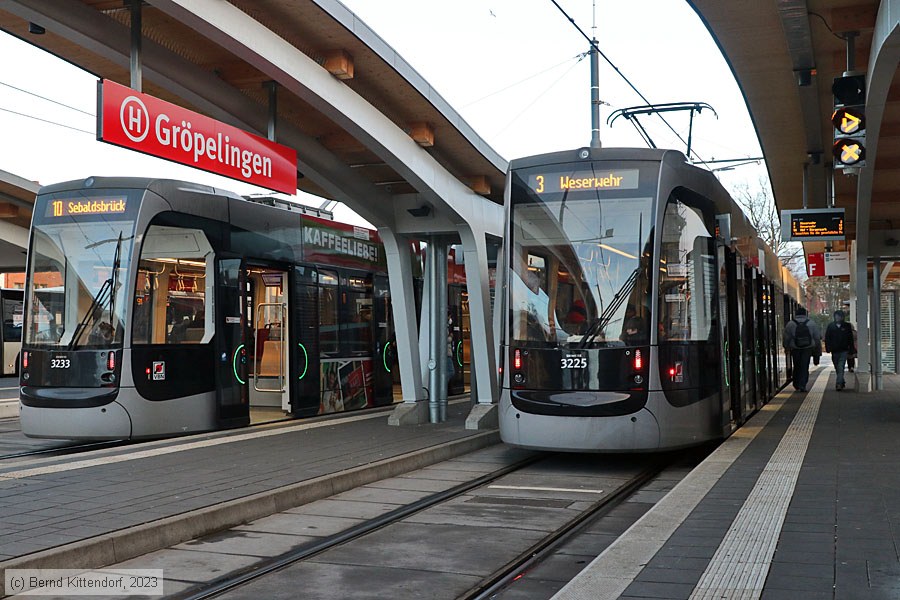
60	363
573	362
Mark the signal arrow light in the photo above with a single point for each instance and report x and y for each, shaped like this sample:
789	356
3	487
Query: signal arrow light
848	120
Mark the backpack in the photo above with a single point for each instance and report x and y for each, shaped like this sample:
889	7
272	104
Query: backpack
802	335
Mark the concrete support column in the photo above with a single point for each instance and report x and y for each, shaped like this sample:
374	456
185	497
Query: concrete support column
484	362
863	366
413	410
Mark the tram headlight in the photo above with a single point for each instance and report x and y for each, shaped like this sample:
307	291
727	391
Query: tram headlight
519	378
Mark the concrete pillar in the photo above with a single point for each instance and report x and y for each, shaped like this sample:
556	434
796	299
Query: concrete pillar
863	366
484	359
413	410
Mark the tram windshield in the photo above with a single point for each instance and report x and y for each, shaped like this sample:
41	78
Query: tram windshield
581	245
78	269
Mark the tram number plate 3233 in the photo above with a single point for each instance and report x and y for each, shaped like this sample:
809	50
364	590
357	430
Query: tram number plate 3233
60	363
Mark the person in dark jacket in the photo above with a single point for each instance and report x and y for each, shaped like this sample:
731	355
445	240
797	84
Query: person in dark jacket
801	337
839	342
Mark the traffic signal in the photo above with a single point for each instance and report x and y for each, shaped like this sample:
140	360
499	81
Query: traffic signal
849	120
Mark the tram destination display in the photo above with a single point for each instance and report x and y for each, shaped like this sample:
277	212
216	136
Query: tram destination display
86	206
584	180
812	224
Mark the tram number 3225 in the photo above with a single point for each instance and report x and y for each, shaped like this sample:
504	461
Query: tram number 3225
573	362
60	363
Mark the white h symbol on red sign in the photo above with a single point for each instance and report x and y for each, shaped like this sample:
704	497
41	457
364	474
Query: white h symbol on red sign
136	124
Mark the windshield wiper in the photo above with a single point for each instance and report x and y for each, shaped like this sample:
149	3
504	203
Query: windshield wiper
106	294
603	320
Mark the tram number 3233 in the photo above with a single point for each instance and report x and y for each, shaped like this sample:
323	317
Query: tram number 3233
573	362
60	363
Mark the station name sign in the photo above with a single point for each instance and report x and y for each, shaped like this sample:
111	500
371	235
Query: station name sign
152	126
812	224
86	206
555	183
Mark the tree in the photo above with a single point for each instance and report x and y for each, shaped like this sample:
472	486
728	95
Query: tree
763	215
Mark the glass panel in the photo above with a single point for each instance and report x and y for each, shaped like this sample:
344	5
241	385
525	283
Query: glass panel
78	265
328	313
173	283
579	259
687	276
12	319
356	331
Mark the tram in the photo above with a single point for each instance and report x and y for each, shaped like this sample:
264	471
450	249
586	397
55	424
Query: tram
11	302
641	312
158	307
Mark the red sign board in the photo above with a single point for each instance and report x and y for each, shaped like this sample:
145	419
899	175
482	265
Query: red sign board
815	264
141	122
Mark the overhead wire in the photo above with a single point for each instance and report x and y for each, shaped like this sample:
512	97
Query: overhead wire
539	96
47	121
521	81
825	22
58	103
594	45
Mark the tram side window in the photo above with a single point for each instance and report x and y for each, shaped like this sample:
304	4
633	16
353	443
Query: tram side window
687	276
170	300
328	313
12	319
356	328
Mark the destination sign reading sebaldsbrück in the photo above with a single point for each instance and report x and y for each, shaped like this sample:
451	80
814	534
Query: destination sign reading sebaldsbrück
86	206
593	180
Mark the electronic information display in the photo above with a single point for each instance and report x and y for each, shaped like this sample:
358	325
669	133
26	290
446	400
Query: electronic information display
73	207
813	224
586	180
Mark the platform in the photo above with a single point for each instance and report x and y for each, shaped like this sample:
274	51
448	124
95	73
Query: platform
99	507
802	502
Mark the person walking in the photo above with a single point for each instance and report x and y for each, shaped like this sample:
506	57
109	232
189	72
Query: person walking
801	337
839	342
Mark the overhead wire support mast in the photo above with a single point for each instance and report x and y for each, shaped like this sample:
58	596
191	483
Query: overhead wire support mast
594	46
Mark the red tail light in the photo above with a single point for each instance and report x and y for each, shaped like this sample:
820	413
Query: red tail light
517	360
638	360
24	360
111	361
672	372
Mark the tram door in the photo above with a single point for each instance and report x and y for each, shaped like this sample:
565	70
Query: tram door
232	399
729	419
266	300
386	373
750	338
456	299
303	342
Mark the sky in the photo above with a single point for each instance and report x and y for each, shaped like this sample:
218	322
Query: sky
513	69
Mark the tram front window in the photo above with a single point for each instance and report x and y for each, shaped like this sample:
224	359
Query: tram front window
78	270
580	256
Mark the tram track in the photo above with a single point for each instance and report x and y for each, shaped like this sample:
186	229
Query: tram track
236	580
492	583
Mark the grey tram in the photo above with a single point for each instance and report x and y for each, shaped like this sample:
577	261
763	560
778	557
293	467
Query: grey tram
640	311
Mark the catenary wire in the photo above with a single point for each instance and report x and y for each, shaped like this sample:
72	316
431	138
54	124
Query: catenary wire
47	121
622	75
18	89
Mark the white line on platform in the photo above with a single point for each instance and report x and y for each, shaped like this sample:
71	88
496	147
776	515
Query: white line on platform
542	489
741	564
619	565
106	460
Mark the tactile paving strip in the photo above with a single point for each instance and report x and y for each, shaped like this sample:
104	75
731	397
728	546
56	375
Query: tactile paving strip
739	568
